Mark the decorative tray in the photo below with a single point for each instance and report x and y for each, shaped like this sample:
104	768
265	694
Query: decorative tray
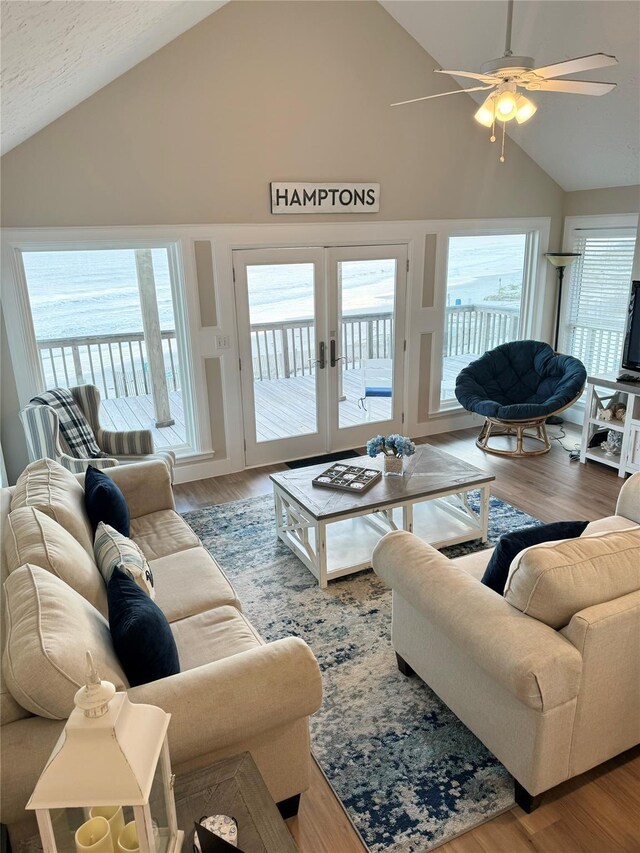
347	478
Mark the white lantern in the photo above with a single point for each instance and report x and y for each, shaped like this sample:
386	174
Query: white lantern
107	786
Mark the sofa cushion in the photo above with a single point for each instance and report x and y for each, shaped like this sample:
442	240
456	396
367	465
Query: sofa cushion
510	544
608	524
50	627
555	580
113	550
53	490
191	582
105	502
10	710
476	563
212	636
140	632
161	533
33	537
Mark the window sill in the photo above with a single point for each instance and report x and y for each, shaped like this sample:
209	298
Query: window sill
187	457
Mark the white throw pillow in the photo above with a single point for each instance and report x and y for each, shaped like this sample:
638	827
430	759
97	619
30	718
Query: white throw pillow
33	537
554	580
47	486
112	550
50	627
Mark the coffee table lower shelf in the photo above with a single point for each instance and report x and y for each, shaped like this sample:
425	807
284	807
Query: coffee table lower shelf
333	547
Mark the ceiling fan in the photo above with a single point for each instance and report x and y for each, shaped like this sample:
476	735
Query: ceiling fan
509	73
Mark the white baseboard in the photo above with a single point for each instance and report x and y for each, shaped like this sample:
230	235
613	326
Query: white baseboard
189	470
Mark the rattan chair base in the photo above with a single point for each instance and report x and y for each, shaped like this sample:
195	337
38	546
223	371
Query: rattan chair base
493	427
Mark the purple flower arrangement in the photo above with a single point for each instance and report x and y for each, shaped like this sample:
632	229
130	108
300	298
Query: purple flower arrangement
392	445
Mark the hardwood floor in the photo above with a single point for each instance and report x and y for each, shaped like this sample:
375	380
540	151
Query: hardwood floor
598	812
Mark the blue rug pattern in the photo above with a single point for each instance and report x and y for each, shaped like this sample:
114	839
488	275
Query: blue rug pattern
410	775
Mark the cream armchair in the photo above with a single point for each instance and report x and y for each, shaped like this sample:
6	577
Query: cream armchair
549	700
45	441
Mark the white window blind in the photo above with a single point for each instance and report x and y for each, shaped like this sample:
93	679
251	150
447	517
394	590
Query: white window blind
599	296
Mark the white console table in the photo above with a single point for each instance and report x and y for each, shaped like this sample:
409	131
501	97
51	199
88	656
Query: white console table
600	390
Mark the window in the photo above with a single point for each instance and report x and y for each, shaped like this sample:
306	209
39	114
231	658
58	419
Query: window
484	298
106	317
598	297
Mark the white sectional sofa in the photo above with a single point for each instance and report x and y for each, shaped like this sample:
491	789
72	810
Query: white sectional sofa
234	692
547	677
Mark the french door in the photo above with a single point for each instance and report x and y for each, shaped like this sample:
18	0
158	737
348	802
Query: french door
321	340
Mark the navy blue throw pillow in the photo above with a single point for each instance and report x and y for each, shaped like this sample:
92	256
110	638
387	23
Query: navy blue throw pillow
105	502
141	635
497	571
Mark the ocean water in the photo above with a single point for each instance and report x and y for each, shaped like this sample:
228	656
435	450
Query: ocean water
95	292
91	292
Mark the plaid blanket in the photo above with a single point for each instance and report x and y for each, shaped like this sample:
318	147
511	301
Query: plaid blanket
74	427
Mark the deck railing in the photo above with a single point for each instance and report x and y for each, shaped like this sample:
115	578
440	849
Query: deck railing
478	328
116	364
286	349
281	350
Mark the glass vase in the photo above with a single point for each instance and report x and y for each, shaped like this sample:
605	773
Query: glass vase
393	466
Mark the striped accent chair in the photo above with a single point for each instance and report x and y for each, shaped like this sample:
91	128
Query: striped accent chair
44	439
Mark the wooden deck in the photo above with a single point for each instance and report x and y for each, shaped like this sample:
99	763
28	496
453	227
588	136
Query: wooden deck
124	413
287	407
284	407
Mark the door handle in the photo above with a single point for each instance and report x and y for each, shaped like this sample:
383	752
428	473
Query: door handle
321	361
335	360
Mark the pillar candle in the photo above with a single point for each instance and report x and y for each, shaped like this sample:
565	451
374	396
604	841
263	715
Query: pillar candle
115	818
128	839
94	836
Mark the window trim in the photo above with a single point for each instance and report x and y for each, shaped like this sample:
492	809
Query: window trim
534	278
423	323
21	333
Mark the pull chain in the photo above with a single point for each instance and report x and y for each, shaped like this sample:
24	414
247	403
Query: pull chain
504	133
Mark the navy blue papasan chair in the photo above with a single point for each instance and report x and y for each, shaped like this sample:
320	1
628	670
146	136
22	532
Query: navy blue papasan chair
516	387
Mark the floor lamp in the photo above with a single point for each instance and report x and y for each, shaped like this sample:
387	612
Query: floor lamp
560	260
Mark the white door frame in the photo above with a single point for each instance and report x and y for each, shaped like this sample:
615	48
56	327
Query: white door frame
328	435
342	438
263	452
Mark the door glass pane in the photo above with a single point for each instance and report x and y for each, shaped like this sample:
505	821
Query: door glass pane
283	349
105	317
366	302
484	294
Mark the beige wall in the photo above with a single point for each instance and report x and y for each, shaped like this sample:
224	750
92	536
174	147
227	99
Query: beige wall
602	202
264	91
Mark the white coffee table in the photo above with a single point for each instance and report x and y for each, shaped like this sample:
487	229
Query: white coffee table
334	532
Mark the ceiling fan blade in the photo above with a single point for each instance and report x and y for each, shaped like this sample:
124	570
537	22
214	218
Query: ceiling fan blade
442	94
573	87
484	77
572	66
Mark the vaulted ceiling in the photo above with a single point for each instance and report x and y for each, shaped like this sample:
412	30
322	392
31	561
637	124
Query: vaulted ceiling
582	142
57	53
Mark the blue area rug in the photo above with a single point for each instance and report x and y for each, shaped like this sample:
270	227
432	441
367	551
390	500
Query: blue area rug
410	775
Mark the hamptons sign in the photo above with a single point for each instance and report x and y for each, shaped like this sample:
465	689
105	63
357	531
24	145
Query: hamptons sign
325	198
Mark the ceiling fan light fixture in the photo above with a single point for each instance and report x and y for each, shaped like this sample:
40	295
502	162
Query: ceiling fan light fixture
506	106
487	112
506	74
525	109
